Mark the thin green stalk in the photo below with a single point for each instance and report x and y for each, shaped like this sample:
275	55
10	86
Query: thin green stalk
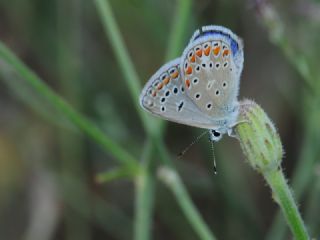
145	188
114	174
144	184
112	31
283	196
262	146
178	30
172	180
71	114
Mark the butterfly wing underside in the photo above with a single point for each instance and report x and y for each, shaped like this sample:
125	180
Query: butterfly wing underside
212	64
164	96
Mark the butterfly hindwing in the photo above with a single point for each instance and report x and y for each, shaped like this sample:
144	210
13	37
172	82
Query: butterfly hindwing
211	66
164	95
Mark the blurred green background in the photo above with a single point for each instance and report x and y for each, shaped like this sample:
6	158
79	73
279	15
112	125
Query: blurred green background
48	167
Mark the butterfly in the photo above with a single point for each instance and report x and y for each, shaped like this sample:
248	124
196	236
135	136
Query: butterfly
201	87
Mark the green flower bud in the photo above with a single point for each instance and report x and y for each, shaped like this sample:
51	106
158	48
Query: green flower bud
258	137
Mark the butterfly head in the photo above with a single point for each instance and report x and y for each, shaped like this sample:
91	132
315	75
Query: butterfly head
215	135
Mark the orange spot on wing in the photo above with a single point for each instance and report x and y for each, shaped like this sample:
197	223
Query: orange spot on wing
199	53
166	81
189	70
216	51
187	83
154	93
225	52
207	51
175	74
160	86
193	58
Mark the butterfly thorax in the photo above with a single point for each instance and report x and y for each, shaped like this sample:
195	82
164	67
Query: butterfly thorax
225	125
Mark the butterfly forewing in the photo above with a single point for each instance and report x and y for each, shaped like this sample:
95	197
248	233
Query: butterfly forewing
164	95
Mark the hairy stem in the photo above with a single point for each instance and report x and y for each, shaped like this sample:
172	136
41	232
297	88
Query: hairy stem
283	196
262	146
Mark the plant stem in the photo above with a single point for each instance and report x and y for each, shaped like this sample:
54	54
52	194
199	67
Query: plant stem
262	146
172	180
283	196
130	75
144	193
180	23
71	114
144	204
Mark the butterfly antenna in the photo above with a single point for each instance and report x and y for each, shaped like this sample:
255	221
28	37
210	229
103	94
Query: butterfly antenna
214	159
191	144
